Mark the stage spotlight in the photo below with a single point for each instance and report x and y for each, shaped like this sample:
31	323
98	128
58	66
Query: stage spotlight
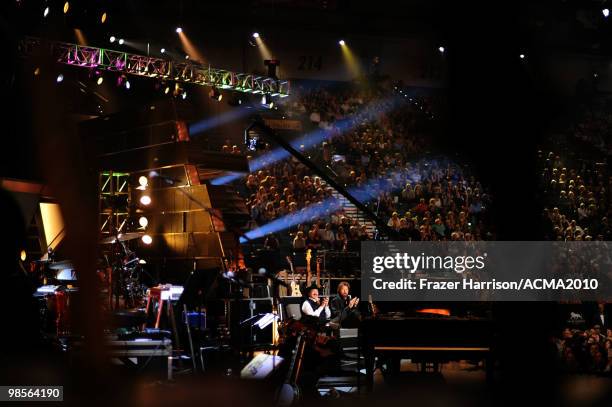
441	49
23	255
143	181
184	95
121	41
188	49
522	56
267	101
103	18
351	61
167	90
215	94
37	71
112	39
143	221
100	80
127	85
179	30
59	78
145	200
46	12
605	12
163	50
146	239
66	7
255	35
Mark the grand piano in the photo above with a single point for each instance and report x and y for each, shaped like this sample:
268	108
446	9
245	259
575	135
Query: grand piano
425	338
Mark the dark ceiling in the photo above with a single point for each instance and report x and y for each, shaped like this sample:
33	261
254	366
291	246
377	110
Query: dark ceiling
571	25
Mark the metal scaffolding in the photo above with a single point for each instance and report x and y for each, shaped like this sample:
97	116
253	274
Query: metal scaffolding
114	192
134	64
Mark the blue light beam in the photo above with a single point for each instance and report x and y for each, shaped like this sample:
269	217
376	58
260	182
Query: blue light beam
310	140
216	121
365	193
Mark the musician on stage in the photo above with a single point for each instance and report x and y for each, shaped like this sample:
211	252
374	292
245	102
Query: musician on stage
315	307
324	353
344	308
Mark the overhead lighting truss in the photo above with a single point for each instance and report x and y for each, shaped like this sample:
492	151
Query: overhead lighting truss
134	64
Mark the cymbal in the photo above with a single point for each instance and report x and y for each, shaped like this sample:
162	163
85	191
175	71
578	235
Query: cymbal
122	237
61	265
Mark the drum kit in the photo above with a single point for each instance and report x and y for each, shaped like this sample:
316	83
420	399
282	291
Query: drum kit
123	272
119	269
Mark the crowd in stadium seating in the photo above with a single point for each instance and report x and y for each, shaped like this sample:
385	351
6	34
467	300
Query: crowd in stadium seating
438	201
587	350
576	192
575	180
285	189
374	145
578	197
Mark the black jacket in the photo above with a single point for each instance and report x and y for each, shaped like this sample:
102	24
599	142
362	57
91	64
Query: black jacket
342	314
595	319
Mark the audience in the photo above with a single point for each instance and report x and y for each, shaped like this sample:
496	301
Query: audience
375	146
587	351
575	186
574	176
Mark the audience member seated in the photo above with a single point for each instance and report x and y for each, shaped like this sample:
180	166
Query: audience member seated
315	308
344	311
